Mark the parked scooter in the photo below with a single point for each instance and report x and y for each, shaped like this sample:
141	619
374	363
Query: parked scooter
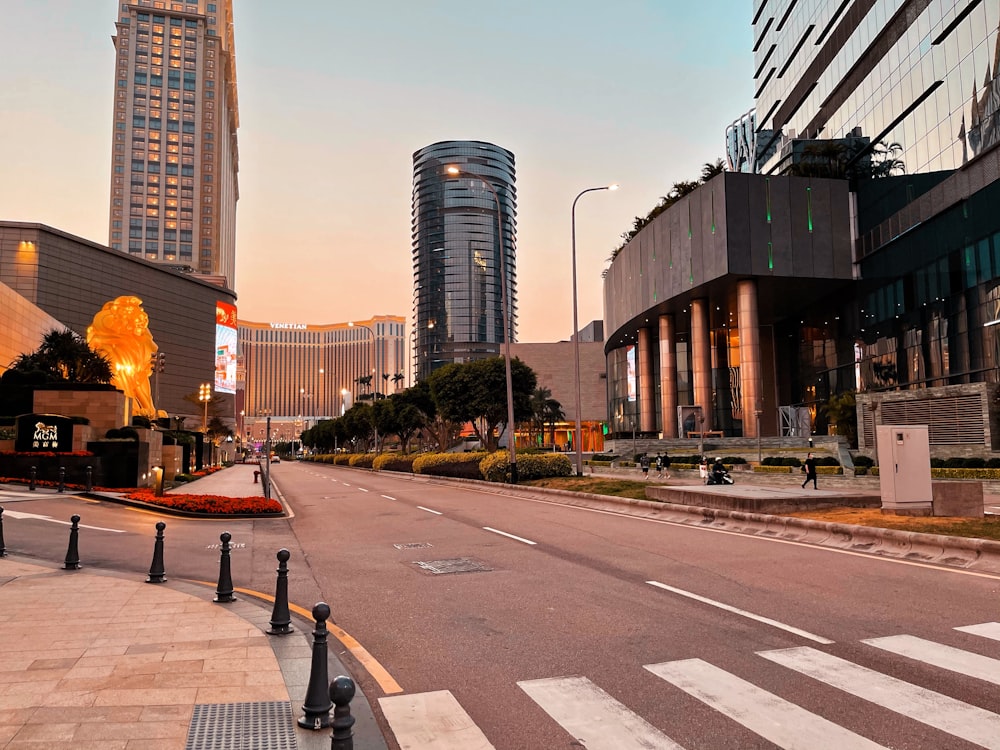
718	475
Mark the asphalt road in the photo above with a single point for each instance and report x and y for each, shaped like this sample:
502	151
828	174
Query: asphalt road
594	629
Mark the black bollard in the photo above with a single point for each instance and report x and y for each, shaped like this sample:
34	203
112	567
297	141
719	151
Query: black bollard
281	620
72	553
31	479
317	706
341	693
62	478
224	591
156	572
3	547
90	478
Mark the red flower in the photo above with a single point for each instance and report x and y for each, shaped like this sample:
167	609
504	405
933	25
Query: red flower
216	504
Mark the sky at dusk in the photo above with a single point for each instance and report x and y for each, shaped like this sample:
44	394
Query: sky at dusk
336	96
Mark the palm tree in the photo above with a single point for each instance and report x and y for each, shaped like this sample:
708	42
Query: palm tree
397	379
65	356
365	380
710	170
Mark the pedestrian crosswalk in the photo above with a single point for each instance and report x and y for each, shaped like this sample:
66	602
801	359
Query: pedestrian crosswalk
14	496
597	720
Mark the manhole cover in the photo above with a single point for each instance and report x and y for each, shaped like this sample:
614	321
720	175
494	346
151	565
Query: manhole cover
413	545
455	565
242	726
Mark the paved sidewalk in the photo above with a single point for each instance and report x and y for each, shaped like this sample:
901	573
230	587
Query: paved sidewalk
98	660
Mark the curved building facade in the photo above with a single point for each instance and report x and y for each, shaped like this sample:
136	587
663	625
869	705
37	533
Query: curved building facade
459	262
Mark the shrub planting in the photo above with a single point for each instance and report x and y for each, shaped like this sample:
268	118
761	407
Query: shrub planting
496	466
393	462
458	465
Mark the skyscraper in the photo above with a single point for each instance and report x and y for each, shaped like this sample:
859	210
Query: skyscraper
175	161
459	262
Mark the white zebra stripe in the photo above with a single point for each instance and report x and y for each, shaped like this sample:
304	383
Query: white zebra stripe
786	725
939	655
595	719
985	630
926	706
432	721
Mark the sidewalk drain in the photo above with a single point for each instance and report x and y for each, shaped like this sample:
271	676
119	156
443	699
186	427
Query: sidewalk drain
413	545
454	565
242	726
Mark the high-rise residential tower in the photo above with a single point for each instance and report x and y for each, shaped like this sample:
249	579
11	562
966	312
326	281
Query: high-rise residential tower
459	262
175	162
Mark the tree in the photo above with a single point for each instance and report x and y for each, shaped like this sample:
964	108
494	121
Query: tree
409	418
545	411
398	378
64	356
476	392
842	411
710	169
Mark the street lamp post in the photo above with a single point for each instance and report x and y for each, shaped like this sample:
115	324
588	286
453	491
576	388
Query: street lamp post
505	305
205	395
578	437
371	333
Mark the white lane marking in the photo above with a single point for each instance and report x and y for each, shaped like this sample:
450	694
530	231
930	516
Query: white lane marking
511	536
362	489
939	655
773	718
432	721
971	723
745	535
435	512
388	497
743	613
18	514
345	484
594	718
985	630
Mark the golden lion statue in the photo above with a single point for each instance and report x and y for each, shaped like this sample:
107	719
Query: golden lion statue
120	331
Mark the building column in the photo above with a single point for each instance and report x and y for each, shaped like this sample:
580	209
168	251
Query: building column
750	361
701	361
668	377
647	392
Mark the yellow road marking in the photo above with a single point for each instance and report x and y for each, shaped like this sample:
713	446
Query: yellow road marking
378	673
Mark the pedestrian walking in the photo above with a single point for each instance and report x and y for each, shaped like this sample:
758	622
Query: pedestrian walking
810	470
644	465
659	466
666	464
703	468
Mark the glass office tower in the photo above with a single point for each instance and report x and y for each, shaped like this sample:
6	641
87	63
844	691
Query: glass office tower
459	262
918	73
175	161
903	96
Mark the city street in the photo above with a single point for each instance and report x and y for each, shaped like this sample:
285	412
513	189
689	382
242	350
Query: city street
529	624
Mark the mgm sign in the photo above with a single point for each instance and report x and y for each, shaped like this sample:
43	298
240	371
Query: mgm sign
43	432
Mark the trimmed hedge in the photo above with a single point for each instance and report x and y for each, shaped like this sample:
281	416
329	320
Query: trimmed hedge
496	466
460	465
393	462
363	460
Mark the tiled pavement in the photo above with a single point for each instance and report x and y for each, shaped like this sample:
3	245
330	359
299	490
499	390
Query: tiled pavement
93	660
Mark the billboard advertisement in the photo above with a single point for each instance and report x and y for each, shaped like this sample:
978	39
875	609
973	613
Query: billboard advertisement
225	347
630	359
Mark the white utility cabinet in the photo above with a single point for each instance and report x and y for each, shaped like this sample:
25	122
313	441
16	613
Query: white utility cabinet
904	466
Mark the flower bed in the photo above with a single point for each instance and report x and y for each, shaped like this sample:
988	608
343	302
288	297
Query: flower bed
208	504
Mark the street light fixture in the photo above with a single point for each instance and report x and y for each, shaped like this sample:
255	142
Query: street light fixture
576	332
205	395
505	305
371	333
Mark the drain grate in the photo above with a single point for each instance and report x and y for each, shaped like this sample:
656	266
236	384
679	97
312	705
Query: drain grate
242	726
454	565
413	545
